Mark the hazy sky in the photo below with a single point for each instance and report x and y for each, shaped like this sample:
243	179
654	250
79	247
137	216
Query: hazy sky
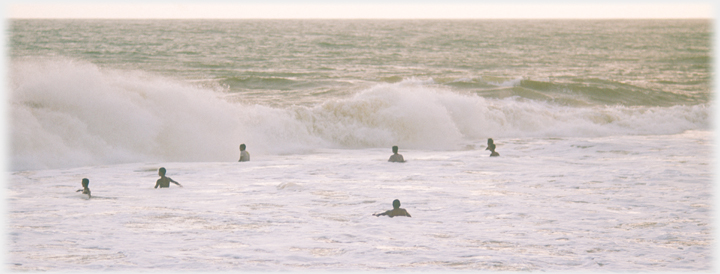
362	9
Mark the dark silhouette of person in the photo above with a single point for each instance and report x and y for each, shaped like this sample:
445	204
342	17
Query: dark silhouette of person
86	188
164	182
396	211
491	148
398	158
244	155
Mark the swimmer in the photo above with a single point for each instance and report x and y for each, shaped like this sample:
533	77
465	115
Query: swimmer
491	148
396	157
396	211
164	182
86	189
244	155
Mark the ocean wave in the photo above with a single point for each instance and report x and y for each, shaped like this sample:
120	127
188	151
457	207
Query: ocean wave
600	91
420	115
579	91
280	83
67	113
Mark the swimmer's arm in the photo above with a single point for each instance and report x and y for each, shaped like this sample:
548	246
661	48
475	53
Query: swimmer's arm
83	191
157	184
173	181
381	214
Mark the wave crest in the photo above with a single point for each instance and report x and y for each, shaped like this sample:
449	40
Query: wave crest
66	113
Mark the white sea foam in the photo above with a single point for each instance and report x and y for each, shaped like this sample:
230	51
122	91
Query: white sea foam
68	113
620	203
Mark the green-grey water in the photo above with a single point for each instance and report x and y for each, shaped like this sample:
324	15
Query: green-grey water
629	62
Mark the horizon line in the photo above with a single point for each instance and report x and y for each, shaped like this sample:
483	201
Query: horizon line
362	11
360	18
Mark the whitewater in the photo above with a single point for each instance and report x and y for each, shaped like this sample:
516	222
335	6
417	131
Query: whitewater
603	130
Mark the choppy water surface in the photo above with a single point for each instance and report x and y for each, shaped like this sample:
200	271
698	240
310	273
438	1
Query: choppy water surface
603	127
310	61
598	204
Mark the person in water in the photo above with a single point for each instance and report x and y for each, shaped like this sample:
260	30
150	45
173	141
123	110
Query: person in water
86	188
396	211
244	155
491	148
396	157
164	182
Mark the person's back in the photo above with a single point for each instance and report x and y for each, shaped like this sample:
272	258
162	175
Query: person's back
397	212
163	182
397	158
244	156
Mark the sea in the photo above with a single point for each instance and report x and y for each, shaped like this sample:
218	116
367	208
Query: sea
603	127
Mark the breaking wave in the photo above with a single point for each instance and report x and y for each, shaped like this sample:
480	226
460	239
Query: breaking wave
66	113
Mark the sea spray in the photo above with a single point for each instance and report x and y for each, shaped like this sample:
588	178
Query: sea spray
406	113
71	113
419	114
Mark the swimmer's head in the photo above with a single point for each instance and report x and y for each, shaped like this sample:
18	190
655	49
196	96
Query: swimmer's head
85	182
396	204
490	141
394	148
161	171
242	147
